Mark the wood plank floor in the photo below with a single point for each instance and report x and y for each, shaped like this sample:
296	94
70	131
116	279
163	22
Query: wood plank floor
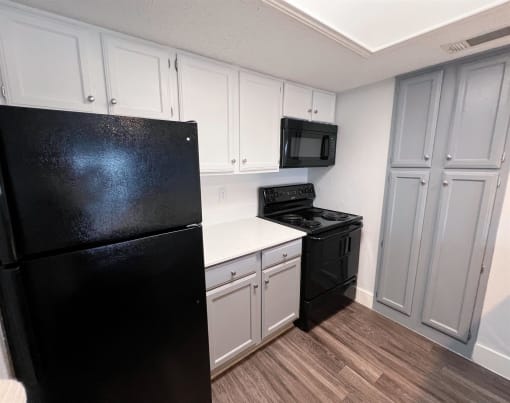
357	356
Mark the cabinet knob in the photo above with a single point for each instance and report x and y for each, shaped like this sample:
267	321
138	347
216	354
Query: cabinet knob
315	111
113	101
445	183
426	157
233	161
91	98
423	182
309	111
245	160
255	286
449	157
266	281
284	255
233	273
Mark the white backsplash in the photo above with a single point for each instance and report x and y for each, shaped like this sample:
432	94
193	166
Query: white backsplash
232	197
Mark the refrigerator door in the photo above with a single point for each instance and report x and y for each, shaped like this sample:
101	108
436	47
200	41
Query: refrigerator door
76	179
118	323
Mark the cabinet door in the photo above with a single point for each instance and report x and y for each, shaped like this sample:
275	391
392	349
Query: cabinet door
208	94
280	296
260	113
324	104
402	238
465	208
415	121
480	118
139	78
51	64
297	101
233	315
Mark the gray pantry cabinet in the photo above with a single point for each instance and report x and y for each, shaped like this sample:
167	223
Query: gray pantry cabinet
447	154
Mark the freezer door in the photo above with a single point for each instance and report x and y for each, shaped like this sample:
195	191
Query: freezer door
119	323
74	179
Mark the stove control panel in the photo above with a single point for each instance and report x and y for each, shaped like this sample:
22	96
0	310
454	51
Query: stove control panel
279	194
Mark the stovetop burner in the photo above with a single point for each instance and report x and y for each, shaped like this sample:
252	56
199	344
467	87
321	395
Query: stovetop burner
311	223
292	218
334	216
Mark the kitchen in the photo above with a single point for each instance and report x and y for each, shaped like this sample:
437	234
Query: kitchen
409	167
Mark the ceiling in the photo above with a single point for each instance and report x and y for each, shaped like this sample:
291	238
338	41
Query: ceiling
256	35
378	24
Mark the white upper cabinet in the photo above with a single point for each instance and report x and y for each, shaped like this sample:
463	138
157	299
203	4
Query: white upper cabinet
140	78
208	94
297	101
260	113
323	106
307	103
48	63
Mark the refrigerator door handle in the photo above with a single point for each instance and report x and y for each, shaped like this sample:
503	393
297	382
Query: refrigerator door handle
14	315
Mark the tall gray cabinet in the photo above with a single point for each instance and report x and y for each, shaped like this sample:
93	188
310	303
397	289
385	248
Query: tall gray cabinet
443	196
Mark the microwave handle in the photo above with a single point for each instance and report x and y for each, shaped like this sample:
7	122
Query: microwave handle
325	148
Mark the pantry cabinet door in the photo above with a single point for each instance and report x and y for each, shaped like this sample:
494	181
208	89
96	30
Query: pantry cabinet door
280	296
233	316
402	238
208	94
481	113
297	101
460	237
260	113
47	63
140	79
324	104
415	119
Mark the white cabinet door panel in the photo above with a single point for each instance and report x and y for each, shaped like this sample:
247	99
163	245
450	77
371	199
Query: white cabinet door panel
208	94
297	101
233	316
51	64
260	113
280	296
324	104
140	80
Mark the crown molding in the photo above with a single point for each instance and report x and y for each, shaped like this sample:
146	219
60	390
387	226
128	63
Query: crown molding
318	26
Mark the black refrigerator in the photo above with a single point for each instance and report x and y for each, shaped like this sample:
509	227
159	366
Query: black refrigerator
102	275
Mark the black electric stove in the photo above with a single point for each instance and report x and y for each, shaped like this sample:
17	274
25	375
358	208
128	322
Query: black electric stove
330	250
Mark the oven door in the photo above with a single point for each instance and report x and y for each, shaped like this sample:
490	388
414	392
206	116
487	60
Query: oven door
330	260
306	147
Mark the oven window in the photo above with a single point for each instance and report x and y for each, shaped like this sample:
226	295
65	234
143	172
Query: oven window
303	146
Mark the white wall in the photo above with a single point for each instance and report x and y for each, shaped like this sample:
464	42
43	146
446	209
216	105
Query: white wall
355	184
492	347
240	193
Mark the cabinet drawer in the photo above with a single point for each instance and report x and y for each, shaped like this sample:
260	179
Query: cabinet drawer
231	270
281	253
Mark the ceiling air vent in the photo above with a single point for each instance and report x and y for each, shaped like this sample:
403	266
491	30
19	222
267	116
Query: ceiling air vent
477	40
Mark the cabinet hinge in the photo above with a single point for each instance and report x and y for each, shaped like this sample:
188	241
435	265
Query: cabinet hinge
503	157
499	181
469	334
175	64
482	269
169	63
3	91
382	242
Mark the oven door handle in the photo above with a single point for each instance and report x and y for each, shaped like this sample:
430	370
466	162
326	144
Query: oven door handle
351	228
325	148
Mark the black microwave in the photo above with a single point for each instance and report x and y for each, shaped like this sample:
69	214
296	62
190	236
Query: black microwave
307	144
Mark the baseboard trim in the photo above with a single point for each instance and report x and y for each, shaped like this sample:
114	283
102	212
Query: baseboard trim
361	296
492	360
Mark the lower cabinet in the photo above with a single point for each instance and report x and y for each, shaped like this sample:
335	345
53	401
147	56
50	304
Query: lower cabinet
247	305
280	296
233	314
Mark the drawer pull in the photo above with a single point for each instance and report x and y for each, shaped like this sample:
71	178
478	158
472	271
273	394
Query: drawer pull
233	273
266	281
255	286
284	255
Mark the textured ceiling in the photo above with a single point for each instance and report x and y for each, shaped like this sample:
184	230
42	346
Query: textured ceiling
254	35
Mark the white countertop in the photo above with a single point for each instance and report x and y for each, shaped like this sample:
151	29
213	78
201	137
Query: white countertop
233	239
12	391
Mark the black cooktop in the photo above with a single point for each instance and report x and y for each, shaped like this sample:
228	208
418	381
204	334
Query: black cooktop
292	205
